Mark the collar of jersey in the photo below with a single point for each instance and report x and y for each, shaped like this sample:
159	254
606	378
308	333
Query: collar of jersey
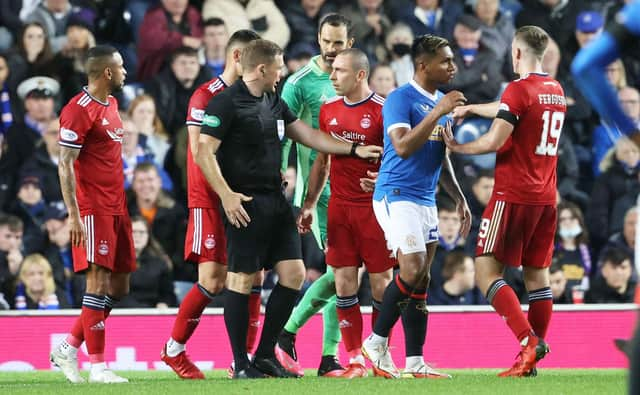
422	91
86	90
348	104
313	63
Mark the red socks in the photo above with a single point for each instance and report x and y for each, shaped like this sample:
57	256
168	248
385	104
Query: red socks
350	321
189	313
506	303
254	318
540	308
93	326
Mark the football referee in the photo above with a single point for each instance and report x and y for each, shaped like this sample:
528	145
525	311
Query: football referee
239	153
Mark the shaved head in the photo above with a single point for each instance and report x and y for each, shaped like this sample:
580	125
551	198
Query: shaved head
99	58
358	60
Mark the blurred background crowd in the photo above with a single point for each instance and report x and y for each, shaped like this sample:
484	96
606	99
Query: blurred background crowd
170	47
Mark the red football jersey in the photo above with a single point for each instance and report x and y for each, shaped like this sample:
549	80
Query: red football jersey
526	164
95	128
355	123
199	192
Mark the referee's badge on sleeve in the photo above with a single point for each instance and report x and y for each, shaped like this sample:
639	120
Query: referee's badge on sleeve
280	124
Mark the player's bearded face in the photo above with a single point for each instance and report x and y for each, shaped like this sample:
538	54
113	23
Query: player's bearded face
442	66
332	40
118	74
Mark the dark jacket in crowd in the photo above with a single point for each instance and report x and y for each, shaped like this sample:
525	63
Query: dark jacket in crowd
150	284
40	163
440	297
600	292
7	280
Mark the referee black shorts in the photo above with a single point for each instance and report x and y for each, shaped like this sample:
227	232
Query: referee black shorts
270	237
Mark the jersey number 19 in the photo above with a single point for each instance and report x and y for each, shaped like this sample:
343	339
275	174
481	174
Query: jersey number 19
552	126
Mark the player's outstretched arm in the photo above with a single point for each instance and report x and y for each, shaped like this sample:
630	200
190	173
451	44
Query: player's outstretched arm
67	176
486	110
407	141
450	184
318	177
322	142
231	201
489	142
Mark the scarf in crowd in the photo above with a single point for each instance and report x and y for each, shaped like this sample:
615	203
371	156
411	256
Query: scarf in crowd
5	110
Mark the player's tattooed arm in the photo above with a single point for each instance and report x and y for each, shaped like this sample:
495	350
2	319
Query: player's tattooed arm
450	184
67	176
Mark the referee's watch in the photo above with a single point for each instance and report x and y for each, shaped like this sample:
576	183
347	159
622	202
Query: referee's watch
353	150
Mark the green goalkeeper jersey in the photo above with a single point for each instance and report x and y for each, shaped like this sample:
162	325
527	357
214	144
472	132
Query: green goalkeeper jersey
304	92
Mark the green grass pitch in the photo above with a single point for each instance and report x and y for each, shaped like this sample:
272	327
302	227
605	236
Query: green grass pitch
549	381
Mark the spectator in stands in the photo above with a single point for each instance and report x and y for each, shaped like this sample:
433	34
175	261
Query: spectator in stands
370	26
449	225
69	64
497	28
10	22
459	287
173	86
558	284
261	16
557	17
398	42
11	228
382	80
214	43
433	17
30	208
613	192
166	217
604	138
53	16
151	283
134	151
588	26
617	75
36	289
20	141
571	251
481	190
31	56
44	162
6	99
625	240
303	17
166	27
143	113
615	283
477	76
58	253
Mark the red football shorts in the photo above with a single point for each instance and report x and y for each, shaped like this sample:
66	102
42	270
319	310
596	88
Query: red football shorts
354	236
109	244
518	234
205	240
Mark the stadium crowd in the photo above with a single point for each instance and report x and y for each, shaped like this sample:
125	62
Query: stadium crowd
170	47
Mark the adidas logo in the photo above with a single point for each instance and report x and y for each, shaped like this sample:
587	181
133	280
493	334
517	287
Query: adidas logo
480	243
104	121
333	122
344	324
98	327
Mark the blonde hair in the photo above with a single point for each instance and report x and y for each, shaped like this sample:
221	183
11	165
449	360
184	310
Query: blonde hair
158	127
42	262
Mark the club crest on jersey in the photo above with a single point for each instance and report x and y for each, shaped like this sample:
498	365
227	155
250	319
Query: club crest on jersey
103	248
209	242
116	135
436	134
424	107
365	122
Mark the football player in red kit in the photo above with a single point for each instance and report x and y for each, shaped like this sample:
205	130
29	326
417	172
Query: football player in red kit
353	233
519	223
92	183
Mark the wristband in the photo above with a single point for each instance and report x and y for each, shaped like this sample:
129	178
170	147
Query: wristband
353	150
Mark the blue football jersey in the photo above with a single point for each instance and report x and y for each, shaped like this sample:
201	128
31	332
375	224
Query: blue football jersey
413	179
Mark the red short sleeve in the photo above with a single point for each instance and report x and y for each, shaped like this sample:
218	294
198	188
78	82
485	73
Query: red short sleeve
514	99
75	124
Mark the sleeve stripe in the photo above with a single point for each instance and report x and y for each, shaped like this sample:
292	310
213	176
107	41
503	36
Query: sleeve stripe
69	144
194	123
398	125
